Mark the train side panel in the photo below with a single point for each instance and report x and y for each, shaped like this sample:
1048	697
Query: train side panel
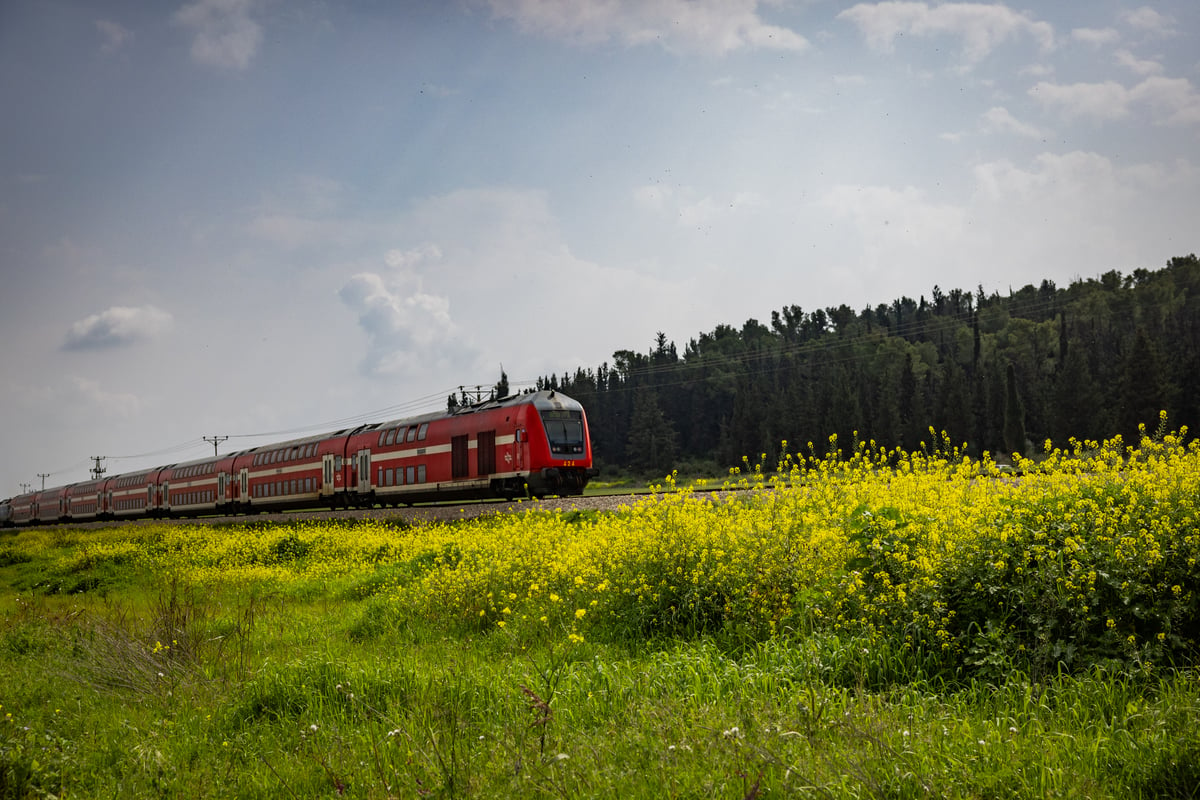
131	496
83	502
298	474
197	487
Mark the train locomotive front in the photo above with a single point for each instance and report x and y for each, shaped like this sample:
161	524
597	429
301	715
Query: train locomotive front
560	449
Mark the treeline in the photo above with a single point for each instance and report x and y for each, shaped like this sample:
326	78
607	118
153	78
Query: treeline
999	373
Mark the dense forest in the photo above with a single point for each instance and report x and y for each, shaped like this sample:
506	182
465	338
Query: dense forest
998	373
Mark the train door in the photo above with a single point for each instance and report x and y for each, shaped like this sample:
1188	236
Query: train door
460	464
364	471
485	453
244	484
221	478
327	474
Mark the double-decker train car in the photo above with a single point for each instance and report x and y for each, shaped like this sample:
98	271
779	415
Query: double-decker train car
534	444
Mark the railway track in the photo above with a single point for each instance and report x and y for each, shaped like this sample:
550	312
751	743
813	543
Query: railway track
424	513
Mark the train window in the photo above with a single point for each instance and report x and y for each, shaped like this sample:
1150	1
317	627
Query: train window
410	475
391	478
564	429
391	436
424	429
412	434
420	473
295	452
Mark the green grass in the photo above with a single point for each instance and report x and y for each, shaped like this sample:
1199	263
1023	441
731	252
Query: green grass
141	687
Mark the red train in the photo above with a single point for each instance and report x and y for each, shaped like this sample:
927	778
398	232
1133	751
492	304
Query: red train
532	444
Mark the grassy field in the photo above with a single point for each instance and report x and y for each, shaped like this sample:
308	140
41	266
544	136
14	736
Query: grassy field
874	625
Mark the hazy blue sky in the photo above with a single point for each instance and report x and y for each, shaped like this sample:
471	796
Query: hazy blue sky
229	217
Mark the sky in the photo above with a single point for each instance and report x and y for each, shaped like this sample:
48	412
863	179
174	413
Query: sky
253	218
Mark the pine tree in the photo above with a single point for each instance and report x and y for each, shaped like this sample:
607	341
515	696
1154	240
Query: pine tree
651	443
1014	414
1144	389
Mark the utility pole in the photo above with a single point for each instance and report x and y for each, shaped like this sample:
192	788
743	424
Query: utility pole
98	471
25	488
216	440
43	476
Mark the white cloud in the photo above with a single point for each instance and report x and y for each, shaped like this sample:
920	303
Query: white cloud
485	276
117	327
896	226
708	26
116	36
1079	207
408	329
1138	65
652	197
981	27
1099	101
225	34
1000	120
1036	71
89	394
692	210
1172	101
1096	36
1059	213
1150	21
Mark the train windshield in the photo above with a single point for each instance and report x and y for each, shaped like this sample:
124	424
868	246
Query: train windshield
564	430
